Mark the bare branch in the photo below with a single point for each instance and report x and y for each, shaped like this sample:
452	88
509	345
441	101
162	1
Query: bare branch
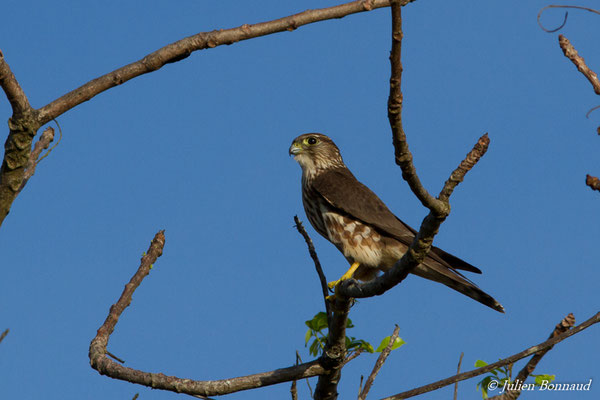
3	335
315	258
105	366
458	372
480	371
14	93
570	52
566	16
465	166
403	156
183	48
378	364
564	325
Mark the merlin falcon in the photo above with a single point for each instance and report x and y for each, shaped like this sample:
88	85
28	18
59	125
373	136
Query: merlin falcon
359	224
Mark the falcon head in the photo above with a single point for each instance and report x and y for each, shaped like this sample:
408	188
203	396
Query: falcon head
315	153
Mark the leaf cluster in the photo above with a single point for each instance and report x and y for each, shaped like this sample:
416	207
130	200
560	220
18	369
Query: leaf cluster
318	330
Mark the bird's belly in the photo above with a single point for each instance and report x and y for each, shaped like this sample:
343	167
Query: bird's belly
357	241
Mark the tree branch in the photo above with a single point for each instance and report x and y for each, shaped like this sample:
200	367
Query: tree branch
567	323
183	48
315	258
403	156
105	366
516	357
3	335
378	364
458	372
572	54
14	93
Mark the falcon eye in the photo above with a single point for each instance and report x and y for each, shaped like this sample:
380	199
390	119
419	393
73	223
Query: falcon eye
311	140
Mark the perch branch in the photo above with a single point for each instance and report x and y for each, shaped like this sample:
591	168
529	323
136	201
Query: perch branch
422	242
378	364
516	357
105	366
564	325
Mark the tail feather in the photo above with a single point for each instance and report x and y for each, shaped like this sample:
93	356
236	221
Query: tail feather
439	273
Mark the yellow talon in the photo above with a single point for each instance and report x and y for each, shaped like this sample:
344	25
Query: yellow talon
347	275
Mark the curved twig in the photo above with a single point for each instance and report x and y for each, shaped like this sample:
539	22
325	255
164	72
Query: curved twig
566	16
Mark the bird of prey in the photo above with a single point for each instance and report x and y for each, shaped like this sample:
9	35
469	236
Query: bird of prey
359	224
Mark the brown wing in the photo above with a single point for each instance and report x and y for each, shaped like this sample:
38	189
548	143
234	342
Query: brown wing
343	191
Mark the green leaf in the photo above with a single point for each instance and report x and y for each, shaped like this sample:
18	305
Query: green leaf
386	340
314	348
544	377
480	363
349	324
307	337
318	322
483	385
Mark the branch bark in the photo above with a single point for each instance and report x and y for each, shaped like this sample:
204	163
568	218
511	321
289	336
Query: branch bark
105	366
378	364
480	371
315	258
572	54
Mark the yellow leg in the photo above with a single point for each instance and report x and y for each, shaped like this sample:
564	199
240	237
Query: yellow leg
347	275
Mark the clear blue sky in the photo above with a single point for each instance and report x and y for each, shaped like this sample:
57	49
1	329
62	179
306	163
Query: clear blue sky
200	149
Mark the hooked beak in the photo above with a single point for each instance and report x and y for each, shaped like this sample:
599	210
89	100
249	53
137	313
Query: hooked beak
295	148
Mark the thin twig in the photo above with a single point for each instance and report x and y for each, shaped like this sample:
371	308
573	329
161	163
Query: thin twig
135	396
352	356
43	142
566	16
298	358
360	385
315	258
458	372
572	54
3	335
111	355
105	366
564	325
379	363
509	360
